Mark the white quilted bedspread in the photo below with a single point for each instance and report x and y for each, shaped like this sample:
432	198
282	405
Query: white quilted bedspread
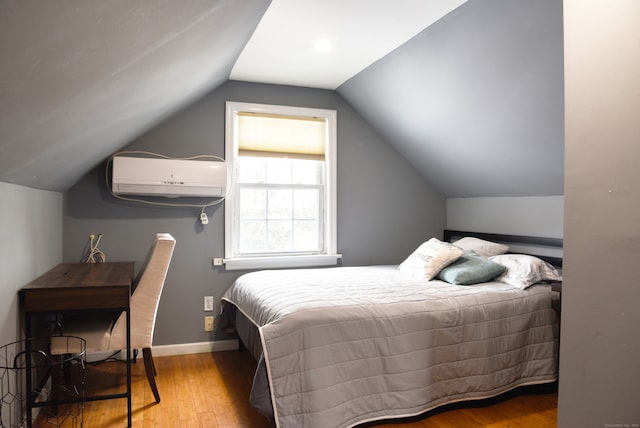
347	345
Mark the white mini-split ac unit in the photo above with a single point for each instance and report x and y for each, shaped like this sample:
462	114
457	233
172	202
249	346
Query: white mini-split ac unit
168	177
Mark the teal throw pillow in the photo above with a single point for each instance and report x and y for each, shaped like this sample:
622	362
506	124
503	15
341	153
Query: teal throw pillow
469	269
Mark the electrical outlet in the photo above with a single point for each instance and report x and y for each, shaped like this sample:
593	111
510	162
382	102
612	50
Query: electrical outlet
208	303
208	323
218	261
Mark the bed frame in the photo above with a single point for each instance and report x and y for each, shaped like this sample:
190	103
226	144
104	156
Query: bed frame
535	245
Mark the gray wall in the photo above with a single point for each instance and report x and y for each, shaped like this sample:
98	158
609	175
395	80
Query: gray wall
528	215
600	337
31	230
385	208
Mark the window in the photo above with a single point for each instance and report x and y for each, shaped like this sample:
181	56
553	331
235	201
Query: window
281	210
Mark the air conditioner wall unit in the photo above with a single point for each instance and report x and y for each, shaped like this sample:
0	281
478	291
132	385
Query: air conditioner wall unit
168	177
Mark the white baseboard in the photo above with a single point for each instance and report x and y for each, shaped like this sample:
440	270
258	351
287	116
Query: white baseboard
195	348
178	349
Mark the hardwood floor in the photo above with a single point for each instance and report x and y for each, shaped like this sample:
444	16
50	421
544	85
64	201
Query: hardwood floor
211	391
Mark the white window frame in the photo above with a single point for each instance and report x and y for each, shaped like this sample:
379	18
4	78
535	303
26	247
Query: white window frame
330	255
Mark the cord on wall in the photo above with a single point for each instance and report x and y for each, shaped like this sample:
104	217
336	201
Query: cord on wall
203	216
95	254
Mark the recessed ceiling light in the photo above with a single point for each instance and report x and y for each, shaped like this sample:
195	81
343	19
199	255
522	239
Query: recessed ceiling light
323	45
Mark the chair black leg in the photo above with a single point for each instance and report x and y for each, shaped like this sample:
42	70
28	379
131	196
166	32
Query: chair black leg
155	372
150	369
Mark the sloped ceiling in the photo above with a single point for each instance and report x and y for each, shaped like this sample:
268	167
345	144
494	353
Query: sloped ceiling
79	79
474	101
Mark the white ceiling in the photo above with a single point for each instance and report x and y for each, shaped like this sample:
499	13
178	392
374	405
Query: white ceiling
282	48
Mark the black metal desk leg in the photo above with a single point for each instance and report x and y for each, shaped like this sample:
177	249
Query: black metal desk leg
29	380
128	367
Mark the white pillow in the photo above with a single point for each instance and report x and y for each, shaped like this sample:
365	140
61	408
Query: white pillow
481	247
430	258
523	270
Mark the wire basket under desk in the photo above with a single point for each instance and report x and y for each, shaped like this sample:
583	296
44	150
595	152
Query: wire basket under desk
57	383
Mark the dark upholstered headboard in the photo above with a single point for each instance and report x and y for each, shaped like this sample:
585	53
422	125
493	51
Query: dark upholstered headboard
534	245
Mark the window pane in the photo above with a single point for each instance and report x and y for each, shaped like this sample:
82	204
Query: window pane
253	204
306	236
253	236
280	220
306	171
280	235
305	203
278	170
280	205
252	170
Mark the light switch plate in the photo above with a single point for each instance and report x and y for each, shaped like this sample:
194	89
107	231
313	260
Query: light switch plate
208	303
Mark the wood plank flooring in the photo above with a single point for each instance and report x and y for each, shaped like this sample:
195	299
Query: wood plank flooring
211	391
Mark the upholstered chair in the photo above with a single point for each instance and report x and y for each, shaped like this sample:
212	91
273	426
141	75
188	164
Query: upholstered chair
108	333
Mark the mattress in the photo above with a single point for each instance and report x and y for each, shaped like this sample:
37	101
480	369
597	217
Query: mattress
347	345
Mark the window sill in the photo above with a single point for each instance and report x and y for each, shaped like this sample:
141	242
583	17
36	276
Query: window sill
281	262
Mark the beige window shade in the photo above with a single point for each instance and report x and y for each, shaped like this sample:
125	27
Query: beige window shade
280	135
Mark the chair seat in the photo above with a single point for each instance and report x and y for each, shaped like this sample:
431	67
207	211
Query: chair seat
95	329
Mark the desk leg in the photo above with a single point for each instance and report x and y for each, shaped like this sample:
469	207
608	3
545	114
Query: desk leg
29	380
128	367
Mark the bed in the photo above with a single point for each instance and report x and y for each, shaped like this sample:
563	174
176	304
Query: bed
341	346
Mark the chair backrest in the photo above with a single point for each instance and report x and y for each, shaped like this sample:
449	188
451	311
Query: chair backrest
145	298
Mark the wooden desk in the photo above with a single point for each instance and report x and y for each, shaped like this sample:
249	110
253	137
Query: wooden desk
80	287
